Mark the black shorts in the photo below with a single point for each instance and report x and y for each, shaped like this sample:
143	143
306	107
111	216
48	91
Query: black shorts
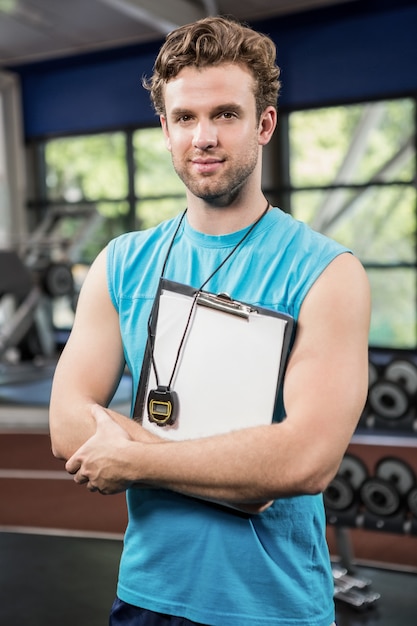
123	614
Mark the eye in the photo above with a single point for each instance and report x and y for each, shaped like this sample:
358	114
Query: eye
184	119
227	115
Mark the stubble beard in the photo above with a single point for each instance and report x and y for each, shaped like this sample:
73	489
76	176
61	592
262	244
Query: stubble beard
218	190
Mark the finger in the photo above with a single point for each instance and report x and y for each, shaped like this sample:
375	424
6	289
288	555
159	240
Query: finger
81	479
72	465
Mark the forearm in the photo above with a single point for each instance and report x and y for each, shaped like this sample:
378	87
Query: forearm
247	467
70	429
252	465
70	426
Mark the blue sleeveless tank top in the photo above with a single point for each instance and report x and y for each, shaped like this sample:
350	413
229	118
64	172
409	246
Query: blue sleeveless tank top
183	556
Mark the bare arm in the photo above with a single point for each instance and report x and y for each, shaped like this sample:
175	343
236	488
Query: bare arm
89	368
324	393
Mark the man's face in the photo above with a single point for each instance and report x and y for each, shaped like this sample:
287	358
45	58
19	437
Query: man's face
212	131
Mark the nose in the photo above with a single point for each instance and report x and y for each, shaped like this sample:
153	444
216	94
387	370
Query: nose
205	135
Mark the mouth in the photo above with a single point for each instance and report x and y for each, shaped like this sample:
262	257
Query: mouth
206	166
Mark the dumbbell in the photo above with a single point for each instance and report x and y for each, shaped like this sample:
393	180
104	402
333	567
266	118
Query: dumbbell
341	496
390	399
384	495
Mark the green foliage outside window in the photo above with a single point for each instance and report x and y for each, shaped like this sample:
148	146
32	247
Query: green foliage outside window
87	168
154	173
92	170
351	173
159	190
352	170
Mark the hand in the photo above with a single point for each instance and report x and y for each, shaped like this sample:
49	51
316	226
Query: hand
100	463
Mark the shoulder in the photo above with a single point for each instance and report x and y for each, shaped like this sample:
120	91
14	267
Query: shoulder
346	274
300	243
129	246
341	292
123	245
302	257
134	260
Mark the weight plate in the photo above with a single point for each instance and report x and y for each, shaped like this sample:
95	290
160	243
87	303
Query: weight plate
380	497
58	280
339	495
372	374
403	373
412	501
388	400
353	470
397	472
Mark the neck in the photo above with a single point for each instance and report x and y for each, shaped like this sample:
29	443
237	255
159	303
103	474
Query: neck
218	220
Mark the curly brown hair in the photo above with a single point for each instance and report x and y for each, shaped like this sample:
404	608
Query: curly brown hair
213	41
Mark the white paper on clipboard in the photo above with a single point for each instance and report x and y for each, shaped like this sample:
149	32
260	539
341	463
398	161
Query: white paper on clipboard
229	370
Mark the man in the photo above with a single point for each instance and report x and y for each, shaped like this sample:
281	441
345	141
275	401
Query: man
186	561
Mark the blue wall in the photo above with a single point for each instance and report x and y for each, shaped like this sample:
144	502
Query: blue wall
88	93
348	56
359	51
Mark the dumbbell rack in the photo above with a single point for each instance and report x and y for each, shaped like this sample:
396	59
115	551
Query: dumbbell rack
375	488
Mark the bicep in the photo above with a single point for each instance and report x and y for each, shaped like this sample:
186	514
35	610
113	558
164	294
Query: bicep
326	380
91	363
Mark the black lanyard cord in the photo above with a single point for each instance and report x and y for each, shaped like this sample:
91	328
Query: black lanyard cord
151	338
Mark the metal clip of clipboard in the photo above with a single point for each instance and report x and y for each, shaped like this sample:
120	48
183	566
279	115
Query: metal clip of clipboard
223	302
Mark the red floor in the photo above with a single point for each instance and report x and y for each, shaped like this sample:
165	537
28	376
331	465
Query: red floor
45	496
35	491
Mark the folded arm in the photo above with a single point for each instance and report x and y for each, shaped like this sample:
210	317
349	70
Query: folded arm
324	393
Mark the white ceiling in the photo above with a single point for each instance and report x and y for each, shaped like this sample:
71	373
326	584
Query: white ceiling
32	30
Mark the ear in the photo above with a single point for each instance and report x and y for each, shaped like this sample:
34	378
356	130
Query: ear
164	126
267	125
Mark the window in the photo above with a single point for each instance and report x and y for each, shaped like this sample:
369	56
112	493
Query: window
96	187
159	192
87	176
351	172
96	174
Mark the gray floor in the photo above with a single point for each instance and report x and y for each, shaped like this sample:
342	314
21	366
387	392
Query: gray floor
70	581
56	581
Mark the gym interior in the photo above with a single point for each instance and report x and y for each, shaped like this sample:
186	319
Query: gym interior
82	160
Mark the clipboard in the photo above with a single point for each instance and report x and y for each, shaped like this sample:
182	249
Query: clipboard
229	369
